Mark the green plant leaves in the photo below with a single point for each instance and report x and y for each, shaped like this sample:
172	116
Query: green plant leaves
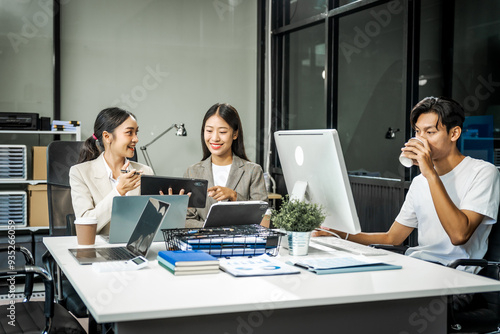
298	216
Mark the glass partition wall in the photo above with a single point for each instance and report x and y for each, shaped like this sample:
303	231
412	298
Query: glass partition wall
359	67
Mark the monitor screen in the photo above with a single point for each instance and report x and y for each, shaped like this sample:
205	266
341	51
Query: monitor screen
314	170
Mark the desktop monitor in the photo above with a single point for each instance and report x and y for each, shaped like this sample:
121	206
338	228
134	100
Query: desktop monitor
314	170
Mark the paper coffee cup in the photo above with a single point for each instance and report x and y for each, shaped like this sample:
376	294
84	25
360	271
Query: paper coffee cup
407	162
86	228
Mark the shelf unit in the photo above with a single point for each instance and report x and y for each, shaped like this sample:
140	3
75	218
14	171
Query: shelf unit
77	133
32	182
77	137
29	228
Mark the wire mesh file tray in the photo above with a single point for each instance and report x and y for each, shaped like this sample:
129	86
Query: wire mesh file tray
241	240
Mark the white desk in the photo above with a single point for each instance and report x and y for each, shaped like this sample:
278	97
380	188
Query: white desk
408	300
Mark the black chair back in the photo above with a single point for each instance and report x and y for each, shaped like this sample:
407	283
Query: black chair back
61	155
493	254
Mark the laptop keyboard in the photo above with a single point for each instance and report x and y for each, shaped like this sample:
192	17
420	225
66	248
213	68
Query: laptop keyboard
116	253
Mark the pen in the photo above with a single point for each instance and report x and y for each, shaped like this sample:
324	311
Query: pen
126	171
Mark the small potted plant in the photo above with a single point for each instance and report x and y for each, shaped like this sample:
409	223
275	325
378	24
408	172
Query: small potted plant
298	219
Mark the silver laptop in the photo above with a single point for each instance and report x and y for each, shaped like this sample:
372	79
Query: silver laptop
140	241
127	209
235	213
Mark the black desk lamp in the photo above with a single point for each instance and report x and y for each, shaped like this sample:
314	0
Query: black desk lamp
181	131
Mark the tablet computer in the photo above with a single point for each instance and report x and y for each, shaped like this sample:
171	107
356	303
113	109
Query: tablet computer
151	185
235	213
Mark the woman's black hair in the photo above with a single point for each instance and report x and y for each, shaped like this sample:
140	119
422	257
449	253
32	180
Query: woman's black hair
450	113
230	115
107	120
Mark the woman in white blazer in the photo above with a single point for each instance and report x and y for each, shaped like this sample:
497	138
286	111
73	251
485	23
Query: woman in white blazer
104	170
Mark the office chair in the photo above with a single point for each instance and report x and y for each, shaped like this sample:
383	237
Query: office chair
61	155
34	316
482	314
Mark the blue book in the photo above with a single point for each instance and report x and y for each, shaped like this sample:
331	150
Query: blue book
188	258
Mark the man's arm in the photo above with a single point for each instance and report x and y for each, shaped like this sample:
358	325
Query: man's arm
395	236
458	224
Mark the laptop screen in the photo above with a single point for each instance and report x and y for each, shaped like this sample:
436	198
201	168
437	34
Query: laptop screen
151	218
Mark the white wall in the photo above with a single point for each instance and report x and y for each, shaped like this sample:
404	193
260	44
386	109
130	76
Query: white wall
26	57
165	61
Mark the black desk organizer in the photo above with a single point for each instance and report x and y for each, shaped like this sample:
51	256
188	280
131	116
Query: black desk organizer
241	240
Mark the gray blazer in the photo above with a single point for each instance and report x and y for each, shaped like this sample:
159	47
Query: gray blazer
92	193
245	177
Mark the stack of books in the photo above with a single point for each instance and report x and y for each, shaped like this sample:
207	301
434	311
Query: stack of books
65	125
189	262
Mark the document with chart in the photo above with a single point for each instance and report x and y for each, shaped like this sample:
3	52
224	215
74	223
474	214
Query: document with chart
263	265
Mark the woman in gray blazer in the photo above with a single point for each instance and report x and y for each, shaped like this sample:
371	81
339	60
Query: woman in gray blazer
104	170
231	176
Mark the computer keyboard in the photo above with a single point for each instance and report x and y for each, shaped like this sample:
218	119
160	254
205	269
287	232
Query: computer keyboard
347	246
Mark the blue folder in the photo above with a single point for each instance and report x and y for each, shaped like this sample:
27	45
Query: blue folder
337	265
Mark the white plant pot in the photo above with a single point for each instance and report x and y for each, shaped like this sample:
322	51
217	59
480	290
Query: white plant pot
298	242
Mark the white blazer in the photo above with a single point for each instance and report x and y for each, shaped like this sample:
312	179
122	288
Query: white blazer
92	193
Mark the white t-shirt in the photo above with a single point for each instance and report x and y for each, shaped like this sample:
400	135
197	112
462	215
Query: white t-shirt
472	185
221	173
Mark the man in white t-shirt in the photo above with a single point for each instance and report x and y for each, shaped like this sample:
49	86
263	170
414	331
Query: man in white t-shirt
455	199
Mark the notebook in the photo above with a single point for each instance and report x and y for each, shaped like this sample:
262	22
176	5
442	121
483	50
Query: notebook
127	209
235	213
140	241
151	185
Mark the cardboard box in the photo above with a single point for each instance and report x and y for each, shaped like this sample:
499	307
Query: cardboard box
38	207
39	162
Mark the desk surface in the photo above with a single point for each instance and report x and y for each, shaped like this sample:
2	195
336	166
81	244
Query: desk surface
153	292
